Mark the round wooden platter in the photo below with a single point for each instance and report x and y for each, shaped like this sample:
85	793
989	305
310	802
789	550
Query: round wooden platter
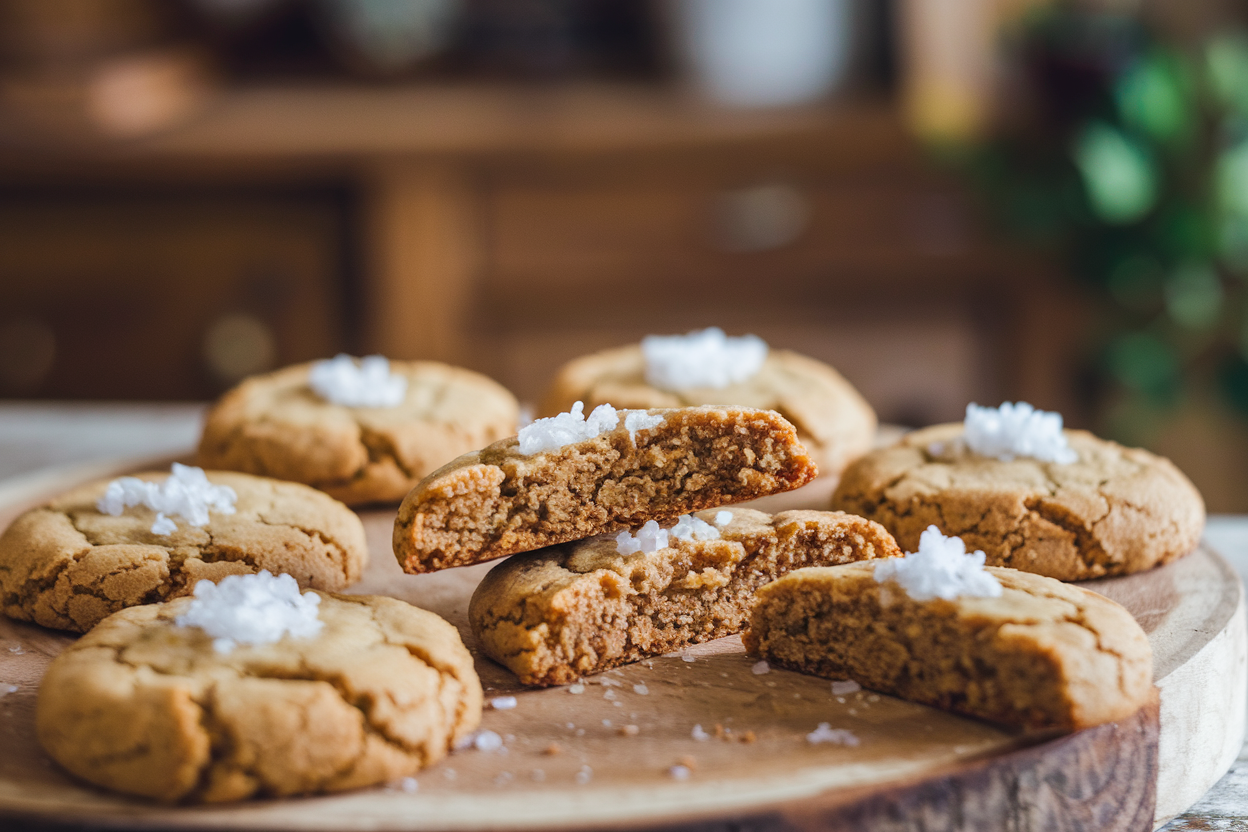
570	759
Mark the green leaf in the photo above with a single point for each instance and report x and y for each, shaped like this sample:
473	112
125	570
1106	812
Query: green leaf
1231	175
1143	362
1226	62
1194	296
1155	96
1119	176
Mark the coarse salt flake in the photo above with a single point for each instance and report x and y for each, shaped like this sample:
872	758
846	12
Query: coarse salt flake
576	688
252	609
699	734
503	703
703	358
487	741
368	383
723	518
689	527
847	686
553	432
410	785
942	568
636	420
836	736
649	539
1014	430
679	772
185	493
760	667
641	690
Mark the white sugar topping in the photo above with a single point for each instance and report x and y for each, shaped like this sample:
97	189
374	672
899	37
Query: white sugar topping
650	538
369	383
1014	430
553	432
836	736
723	518
689	527
185	493
705	358
640	420
252	609
941	568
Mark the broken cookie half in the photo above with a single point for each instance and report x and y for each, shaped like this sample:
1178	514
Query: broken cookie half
1039	654
556	614
571	477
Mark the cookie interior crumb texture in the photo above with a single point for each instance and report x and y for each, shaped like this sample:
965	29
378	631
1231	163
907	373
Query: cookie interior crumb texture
497	501
1045	654
276	425
556	614
833	421
142	706
67	565
1114	511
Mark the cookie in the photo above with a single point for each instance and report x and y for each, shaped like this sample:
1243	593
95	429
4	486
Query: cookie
1113	511
274	425
500	501
833	421
67	565
567	611
1043	654
144	706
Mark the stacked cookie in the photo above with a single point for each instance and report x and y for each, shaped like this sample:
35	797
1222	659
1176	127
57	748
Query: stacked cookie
628	551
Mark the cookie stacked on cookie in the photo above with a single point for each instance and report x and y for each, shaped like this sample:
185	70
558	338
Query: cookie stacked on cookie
613	564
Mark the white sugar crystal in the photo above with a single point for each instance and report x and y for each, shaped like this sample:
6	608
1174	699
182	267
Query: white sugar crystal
705	358
252	609
640	420
689	527
503	703
185	493
650	538
163	525
941	568
723	518
1014	430
554	432
760	668
700	735
369	383
842	688
487	741
836	736
679	772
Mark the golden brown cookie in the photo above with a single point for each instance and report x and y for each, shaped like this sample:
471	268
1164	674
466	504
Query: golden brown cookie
498	501
144	706
1044	654
274	425
559	613
1114	511
67	565
832	419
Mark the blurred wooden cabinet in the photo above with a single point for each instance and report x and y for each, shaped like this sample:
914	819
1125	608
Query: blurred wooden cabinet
510	230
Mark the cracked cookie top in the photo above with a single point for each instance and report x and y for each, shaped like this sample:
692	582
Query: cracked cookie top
275	425
499	501
67	565
147	707
1113	511
832	419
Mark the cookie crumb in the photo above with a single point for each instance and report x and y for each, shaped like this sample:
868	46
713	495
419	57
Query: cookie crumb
628	730
719	731
688	761
552	750
503	703
748	737
760	667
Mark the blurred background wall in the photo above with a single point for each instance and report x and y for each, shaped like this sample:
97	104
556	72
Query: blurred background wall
948	200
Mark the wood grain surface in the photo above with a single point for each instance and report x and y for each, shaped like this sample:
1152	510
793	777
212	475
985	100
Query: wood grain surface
913	767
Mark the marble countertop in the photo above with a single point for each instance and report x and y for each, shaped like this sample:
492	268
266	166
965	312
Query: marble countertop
36	436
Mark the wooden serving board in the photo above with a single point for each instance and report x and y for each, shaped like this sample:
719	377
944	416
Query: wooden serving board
567	763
